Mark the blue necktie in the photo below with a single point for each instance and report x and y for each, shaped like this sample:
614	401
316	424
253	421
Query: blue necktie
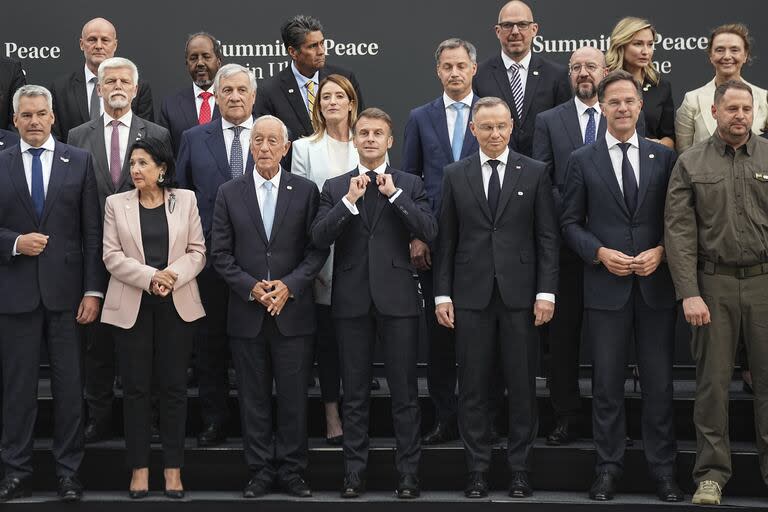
38	191
458	131
268	208
591	131
628	180
236	154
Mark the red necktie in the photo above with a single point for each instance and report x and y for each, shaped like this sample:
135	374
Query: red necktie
205	108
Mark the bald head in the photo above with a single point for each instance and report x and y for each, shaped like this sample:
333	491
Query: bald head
515	7
586	68
98	41
516	30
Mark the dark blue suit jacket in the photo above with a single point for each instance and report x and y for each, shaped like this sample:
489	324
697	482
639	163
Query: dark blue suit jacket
8	139
243	255
71	262
178	114
202	166
427	147
596	215
371	260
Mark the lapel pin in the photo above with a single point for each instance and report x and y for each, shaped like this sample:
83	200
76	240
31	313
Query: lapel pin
138	136
290	91
2	143
519	192
651	156
536	73
518	167
289	187
64	159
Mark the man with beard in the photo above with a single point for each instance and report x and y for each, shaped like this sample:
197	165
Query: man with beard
190	107
108	139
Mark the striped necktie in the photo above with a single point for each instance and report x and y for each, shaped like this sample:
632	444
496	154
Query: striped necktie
311	97
518	94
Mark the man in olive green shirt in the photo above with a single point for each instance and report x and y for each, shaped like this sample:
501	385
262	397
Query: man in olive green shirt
716	236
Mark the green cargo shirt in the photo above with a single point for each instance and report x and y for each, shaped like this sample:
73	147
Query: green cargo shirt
716	209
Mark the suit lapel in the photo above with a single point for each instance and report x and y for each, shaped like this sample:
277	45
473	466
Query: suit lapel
251	200
705	106
188	107
284	196
173	217
602	125
59	169
100	152
604	168
475	180
295	99
440	124
80	92
132	218
647	168
318	158
531	84
19	180
216	145
569	115
470	142
512	172
137	131
361	209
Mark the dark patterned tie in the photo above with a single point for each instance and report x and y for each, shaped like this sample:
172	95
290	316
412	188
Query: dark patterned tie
628	180
494	187
591	131
236	154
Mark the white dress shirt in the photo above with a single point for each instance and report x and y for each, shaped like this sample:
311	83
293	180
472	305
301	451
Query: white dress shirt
199	101
522	70
122	132
450	113
301	81
261	192
581	110
486	170
245	137
364	170
617	156
90	89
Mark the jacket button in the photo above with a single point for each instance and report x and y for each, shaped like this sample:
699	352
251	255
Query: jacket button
269	254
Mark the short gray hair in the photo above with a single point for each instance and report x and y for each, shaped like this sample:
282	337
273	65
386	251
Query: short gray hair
32	91
116	63
228	70
489	102
453	43
267	117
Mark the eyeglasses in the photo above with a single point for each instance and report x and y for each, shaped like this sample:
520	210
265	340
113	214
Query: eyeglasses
590	67
508	26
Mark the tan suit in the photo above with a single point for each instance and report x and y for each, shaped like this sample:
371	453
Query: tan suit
124	257
694	122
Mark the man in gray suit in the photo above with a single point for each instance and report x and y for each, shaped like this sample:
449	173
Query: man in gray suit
109	139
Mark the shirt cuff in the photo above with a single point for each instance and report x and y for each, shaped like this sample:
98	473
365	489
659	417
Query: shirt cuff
351	207
395	195
443	299
549	297
93	294
13	252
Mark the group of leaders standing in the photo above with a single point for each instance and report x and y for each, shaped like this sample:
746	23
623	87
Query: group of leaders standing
514	155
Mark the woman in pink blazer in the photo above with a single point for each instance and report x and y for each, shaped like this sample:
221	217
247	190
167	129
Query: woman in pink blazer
153	249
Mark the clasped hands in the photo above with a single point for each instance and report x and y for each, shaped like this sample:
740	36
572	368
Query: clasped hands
359	184
618	263
163	282
273	295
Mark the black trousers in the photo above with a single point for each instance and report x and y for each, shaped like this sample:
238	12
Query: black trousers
327	355
563	335
654	334
100	370
399	337
213	348
279	451
482	338
21	338
441	363
155	351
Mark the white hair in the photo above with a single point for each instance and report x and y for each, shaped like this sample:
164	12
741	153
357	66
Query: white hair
31	91
228	70
115	63
267	117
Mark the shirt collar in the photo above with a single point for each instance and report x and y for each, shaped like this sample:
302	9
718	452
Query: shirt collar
301	80
467	100
612	141
508	61
379	170
501	158
49	144
125	119
259	180
582	107
197	90
722	146
89	75
247	124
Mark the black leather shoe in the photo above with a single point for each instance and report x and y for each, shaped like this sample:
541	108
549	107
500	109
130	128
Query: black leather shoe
668	490
70	489
96	431
256	488
562	434
174	494
477	486
603	488
296	486
335	440
408	487
354	485
12	488
442	433
520	487
138	494
375	385
212	435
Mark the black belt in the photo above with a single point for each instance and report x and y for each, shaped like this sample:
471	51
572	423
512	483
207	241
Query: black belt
732	270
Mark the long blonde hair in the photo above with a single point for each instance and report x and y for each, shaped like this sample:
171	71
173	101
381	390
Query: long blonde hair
318	120
622	35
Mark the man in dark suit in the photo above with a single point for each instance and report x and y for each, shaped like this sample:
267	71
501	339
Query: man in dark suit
117	85
614	220
371	213
8	139
191	106
559	131
495	281
290	95
75	97
51	280
436	135
528	83
263	250
210	155
11	78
